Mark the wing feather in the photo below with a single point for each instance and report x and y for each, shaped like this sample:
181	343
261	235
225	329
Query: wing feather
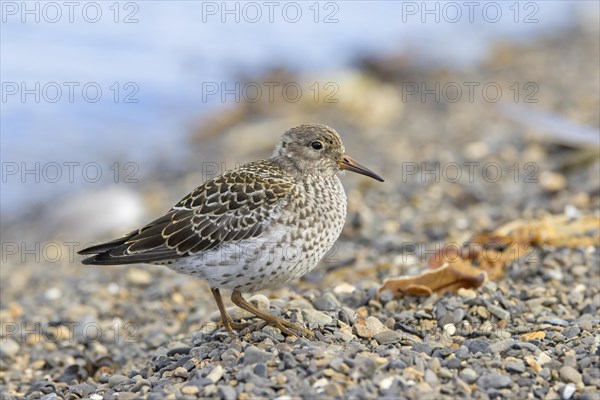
235	206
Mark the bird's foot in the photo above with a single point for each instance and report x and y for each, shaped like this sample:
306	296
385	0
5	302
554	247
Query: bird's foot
232	326
284	326
288	327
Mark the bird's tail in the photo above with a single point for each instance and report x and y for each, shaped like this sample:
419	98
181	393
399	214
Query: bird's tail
106	253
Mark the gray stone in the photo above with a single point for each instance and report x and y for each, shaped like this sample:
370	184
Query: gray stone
440	311
478	345
458	314
462	353
591	376
316	317
495	381
445	373
298	304
10	347
515	366
388	337
227	392
452	363
545	373
571	331
501	346
448	318
431	378
553	321
260	370
253	355
570	374
469	375
423	348
586	325
327	302
289	361
499	312
386	296
526	345
230	355
116	380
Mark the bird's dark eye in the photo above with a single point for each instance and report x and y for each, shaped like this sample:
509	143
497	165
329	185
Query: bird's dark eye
316	145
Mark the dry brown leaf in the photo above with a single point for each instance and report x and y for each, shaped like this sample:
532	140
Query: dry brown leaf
493	251
447	278
555	230
487	254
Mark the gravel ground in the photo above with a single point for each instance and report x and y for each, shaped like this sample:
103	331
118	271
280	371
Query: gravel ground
71	332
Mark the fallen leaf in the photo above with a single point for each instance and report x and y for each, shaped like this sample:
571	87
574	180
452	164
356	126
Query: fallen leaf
487	254
447	278
485	251
493	251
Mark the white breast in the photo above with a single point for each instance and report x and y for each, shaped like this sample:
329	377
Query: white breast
300	236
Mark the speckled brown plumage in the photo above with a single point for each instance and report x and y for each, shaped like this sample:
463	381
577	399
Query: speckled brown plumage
236	231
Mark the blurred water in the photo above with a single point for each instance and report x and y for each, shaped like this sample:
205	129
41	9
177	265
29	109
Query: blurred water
168	49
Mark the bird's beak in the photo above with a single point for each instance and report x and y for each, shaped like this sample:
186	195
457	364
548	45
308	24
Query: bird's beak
347	162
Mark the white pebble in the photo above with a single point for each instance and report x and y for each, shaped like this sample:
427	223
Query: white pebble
572	212
449	330
543	358
113	288
216	374
386	383
53	293
261	301
555	274
568	391
320	384
344	288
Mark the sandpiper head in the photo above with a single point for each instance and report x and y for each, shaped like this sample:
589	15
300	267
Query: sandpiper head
316	148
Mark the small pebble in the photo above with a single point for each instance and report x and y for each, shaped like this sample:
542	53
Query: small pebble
327	302
260	301
139	277
571	331
570	374
388	337
227	392
469	375
499	312
495	381
216	374
254	355
316	317
190	389
367	328
568	391
515	366
9	346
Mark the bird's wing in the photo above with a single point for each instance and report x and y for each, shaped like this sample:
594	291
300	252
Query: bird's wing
235	206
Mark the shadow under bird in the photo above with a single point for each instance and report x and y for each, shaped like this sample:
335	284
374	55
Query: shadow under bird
235	231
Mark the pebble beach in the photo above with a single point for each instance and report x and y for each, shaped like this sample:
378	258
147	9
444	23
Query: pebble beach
453	168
